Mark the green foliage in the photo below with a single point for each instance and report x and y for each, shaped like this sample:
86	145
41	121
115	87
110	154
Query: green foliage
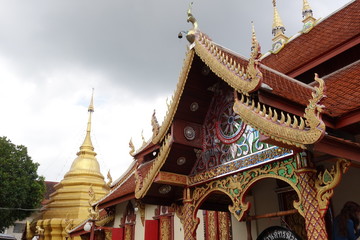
20	186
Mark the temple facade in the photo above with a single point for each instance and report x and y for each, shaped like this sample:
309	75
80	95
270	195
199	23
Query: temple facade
71	202
265	147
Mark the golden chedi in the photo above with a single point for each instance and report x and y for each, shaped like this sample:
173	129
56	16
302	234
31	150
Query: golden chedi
82	185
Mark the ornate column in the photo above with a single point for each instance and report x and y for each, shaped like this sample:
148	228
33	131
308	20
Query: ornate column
314	222
190	220
316	189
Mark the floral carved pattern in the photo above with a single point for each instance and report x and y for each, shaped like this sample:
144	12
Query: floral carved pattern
236	186
165	228
226	139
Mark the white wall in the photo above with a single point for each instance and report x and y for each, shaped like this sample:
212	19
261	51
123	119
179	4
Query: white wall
265	201
239	231
178	229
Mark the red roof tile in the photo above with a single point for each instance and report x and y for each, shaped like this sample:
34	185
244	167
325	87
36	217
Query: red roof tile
338	28
342	90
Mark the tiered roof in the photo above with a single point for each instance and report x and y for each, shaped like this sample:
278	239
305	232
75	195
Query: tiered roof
271	82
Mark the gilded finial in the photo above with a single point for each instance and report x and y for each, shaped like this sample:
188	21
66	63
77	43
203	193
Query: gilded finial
109	179
306	11
132	147
91	105
87	146
309	20
277	27
155	124
278	31
255	45
142	137
190	36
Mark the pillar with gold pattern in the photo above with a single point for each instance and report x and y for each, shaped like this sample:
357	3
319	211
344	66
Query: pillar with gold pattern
315	223
189	216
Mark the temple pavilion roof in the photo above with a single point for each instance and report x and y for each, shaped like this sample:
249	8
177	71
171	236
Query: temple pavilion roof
273	79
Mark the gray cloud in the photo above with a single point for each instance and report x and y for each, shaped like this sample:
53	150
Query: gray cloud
127	40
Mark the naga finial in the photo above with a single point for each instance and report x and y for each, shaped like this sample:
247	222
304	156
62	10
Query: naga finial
143	138
255	45
109	179
132	148
94	213
155	124
190	36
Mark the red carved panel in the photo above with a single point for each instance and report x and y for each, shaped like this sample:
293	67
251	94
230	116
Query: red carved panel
217	225
180	129
151	230
117	234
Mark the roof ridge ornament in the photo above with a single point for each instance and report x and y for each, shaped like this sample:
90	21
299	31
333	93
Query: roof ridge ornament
307	13
155	124
278	31
291	130
132	148
255	55
243	78
190	35
143	184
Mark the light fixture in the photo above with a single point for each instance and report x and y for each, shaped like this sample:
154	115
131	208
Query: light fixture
194	106
87	226
180	161
164	189
189	133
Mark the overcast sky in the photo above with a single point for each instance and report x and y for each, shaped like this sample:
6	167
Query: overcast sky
52	53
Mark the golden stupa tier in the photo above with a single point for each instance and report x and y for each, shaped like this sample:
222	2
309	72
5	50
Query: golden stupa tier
82	185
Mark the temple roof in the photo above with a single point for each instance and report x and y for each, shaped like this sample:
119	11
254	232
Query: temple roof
250	77
327	36
343	90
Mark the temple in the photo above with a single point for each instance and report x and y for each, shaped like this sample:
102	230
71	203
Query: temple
265	147
71	202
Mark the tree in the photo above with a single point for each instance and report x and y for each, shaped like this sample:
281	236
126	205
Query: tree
20	186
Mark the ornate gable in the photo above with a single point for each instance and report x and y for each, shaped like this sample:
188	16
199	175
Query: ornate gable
229	144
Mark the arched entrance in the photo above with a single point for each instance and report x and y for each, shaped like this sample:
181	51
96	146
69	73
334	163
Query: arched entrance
313	189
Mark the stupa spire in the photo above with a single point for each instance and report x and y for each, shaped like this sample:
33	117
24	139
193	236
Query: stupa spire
278	31
277	26
87	146
309	20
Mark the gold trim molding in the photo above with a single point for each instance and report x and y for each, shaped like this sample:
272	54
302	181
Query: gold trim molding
143	185
236	186
261	157
242	79
287	129
173	105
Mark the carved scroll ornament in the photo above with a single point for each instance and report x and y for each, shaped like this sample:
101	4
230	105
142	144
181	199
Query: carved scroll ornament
295	131
327	181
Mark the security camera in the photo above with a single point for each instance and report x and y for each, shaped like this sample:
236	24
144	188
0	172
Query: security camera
180	35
